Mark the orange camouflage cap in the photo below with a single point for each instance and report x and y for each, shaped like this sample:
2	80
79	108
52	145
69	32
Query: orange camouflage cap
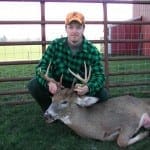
74	16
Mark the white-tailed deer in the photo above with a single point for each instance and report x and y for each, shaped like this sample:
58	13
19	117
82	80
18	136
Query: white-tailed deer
119	118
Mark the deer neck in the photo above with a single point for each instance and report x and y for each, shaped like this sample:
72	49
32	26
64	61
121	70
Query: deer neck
67	116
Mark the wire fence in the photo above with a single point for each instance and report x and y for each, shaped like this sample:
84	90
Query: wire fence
124	44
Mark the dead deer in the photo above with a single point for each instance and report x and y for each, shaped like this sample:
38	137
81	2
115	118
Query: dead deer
119	118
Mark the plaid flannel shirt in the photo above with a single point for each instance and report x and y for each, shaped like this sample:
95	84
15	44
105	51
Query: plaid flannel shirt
61	58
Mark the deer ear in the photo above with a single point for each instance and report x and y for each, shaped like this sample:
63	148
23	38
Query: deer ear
86	101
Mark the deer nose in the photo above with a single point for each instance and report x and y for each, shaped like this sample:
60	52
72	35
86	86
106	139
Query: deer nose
47	115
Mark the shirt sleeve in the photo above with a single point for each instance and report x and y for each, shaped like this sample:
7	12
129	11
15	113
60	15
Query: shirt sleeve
97	79
43	64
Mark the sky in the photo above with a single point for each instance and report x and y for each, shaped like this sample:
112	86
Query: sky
56	11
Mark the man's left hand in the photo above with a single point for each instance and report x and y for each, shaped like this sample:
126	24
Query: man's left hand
81	90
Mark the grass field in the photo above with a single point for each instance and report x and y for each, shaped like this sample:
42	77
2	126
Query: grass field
23	127
26	52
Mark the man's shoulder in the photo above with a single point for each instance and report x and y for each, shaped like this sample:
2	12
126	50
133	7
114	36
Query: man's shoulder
59	40
89	46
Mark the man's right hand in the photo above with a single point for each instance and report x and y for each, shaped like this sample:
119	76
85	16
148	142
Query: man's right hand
52	87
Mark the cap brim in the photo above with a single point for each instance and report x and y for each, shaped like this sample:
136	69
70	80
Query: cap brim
75	19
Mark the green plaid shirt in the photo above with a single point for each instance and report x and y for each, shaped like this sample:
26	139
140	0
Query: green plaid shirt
61	58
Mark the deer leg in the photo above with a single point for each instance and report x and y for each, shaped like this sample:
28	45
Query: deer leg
145	121
126	136
126	132
112	136
138	137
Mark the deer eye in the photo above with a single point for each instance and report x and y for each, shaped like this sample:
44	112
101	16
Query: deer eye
64	102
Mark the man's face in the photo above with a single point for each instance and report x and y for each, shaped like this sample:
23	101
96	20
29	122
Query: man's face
74	32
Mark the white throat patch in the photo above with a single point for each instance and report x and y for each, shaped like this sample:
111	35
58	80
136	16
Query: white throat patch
66	120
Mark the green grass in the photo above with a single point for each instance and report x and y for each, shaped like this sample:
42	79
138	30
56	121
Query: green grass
130	66
14	71
23	128
24	52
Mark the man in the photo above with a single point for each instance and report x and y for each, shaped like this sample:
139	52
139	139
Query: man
69	52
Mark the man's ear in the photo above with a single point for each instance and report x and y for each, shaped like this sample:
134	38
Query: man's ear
84	26
65	26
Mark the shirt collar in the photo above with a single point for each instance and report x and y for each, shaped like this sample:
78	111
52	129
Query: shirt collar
83	47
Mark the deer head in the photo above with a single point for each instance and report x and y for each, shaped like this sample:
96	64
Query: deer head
61	104
64	102
65	99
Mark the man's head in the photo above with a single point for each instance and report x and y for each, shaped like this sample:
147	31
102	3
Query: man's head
75	25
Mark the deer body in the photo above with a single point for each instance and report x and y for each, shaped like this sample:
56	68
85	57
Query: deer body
118	118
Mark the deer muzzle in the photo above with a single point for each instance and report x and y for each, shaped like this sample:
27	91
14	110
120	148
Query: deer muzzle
48	117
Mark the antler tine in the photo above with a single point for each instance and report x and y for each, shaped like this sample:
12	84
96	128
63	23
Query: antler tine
73	83
85	68
87	76
60	82
77	76
46	74
47	78
48	69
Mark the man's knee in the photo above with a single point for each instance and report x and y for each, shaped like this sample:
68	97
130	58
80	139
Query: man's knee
33	86
30	84
39	93
103	94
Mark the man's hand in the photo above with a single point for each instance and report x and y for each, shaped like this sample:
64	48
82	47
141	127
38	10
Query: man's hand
52	87
81	89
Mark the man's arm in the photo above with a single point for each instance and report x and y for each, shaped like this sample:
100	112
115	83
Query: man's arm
43	64
97	79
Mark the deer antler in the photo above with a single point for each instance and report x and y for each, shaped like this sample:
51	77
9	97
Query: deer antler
47	78
86	77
